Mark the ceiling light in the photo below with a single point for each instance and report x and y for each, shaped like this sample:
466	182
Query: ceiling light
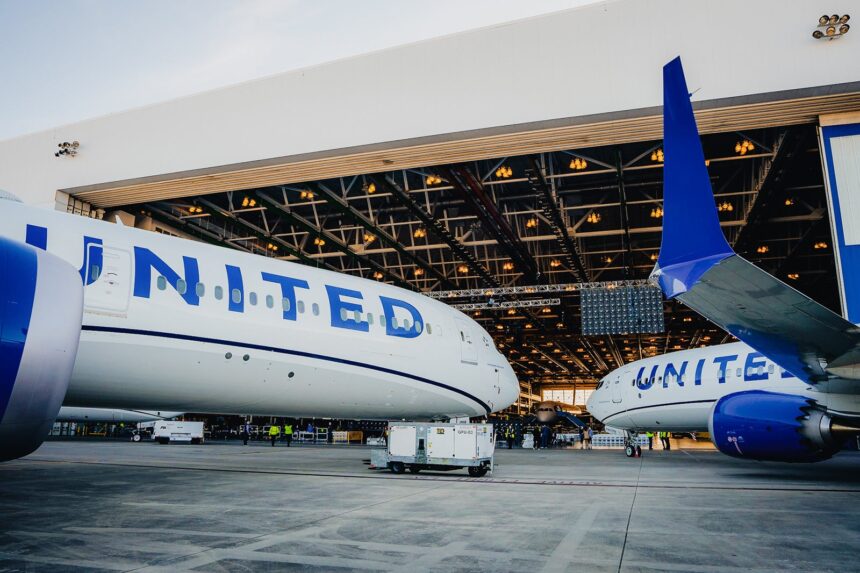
657	155
829	25
306	195
578	164
508	266
789	202
369	238
725	206
419	233
377	275
419	272
657	213
593	217
371	189
528	325
319	241
531	223
820	245
762	249
555	263
653	256
793	276
546	310
743	147
504	172
433	180
462	269
511	311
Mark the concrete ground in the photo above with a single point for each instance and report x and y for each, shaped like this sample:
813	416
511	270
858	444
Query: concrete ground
116	506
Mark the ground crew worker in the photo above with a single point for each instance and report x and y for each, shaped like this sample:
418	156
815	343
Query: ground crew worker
509	436
246	433
666	445
274	432
288	432
650	439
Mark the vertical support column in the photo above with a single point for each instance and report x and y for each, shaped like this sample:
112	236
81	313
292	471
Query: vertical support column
839	136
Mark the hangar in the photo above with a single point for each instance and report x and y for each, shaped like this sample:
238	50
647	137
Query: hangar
506	166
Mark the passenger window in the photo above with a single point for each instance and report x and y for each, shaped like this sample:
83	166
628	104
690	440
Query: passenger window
161	283
770	369
370	318
219	293
406	324
270	301
315	308
300	306
95	272
394	321
418	327
739	372
429	329
181	286
356	316
236	296
343	315
252	298
285	303
200	290
462	336
382	320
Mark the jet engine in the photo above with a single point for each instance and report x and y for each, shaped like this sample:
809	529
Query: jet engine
770	426
41	306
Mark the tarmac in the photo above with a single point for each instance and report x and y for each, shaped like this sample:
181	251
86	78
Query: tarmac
122	506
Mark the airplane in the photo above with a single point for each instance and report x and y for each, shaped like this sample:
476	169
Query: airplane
549	412
789	390
97	314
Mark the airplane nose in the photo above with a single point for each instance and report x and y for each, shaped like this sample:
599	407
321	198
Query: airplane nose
510	388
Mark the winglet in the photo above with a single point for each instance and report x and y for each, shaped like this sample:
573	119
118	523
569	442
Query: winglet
693	241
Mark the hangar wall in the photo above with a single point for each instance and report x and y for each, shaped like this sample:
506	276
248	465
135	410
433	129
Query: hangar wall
600	59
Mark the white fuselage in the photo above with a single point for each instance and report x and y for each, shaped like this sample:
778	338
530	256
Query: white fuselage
676	391
171	324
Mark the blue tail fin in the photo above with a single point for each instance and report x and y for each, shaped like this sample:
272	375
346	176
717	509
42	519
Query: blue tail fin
692	238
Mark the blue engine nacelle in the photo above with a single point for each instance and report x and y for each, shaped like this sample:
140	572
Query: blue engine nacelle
41	305
770	426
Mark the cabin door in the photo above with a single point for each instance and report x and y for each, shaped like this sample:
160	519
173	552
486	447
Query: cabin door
109	277
468	349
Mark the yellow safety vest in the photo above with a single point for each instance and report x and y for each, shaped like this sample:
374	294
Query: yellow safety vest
288	430
274	431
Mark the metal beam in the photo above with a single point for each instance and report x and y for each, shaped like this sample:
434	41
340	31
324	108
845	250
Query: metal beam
436	227
344	207
470	189
328	237
549	205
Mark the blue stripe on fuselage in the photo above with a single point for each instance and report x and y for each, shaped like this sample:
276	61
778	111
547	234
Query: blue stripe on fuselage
356	363
18	269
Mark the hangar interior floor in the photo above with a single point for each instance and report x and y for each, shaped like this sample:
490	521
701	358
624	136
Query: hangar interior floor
76	506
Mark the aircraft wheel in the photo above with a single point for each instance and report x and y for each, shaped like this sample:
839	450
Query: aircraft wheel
629	451
397	467
135	438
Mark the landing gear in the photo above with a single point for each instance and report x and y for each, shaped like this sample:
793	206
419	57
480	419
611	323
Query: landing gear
631	448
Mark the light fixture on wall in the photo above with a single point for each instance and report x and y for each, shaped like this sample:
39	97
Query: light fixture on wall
832	27
67	149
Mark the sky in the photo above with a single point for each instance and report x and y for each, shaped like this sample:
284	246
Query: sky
62	61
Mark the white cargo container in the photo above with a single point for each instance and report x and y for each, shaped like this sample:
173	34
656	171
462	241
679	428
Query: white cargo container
166	431
417	446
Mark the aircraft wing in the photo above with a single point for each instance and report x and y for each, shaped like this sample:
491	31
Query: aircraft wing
698	267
